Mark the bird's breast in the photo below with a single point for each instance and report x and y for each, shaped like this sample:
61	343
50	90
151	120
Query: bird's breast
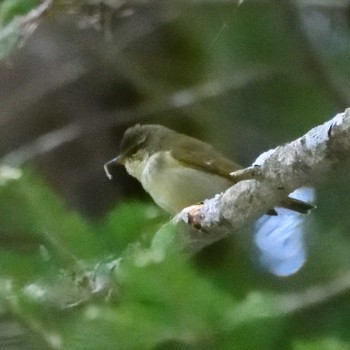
174	186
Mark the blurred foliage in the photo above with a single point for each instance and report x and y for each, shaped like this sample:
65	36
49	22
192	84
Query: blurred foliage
10	27
78	286
244	78
142	300
12	8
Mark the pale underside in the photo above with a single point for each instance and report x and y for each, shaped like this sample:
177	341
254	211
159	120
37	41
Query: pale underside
174	186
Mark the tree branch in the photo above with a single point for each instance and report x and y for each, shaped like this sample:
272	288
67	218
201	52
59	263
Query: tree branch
281	171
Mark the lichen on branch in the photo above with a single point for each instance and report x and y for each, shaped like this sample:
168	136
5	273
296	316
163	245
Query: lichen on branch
302	162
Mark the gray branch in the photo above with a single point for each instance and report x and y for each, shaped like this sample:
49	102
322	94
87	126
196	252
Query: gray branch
279	172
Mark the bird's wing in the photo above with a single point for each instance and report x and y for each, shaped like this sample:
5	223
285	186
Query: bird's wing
199	155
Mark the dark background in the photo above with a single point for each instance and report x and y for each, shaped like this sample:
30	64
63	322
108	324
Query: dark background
244	78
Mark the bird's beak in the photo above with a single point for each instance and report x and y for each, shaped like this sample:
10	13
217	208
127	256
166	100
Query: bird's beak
113	161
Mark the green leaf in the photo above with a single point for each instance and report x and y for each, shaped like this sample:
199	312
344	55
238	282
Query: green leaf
322	344
129	222
12	8
35	223
10	28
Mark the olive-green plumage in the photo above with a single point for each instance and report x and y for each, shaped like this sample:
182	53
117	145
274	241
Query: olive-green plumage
178	170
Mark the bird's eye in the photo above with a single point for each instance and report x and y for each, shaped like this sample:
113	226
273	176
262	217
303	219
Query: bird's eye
132	151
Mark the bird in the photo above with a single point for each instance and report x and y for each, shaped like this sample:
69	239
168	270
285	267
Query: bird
178	170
